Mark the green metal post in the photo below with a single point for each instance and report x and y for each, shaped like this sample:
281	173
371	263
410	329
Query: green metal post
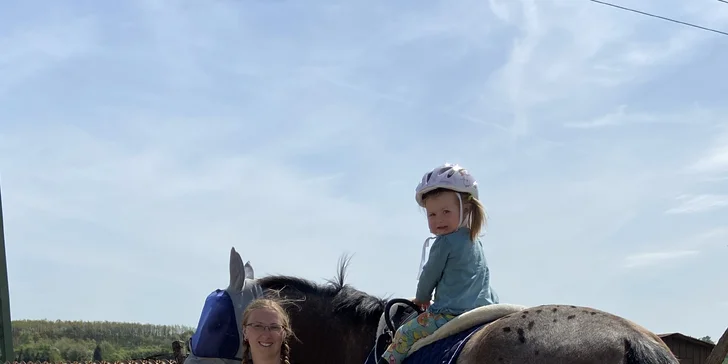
6	341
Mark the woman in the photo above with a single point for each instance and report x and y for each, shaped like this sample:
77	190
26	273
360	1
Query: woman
266	330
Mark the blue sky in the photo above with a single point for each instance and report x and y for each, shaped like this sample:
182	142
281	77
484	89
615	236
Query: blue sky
140	140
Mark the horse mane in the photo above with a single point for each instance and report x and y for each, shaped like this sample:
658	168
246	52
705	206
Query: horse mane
344	299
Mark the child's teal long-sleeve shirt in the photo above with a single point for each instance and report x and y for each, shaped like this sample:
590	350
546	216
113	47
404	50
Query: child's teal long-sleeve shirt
458	272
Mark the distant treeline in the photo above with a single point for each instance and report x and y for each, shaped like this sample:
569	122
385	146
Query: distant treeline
54	341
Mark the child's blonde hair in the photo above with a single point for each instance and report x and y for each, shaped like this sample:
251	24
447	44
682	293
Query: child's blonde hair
473	211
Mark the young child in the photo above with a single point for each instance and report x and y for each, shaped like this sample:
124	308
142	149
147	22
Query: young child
456	268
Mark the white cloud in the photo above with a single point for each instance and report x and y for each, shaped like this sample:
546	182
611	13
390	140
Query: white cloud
715	161
30	51
700	203
714	234
571	51
664	254
615	118
621	116
655	258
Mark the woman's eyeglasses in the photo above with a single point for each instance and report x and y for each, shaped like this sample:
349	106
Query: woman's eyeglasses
259	328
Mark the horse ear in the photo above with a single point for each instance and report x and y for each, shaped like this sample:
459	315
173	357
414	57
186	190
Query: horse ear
237	272
249	272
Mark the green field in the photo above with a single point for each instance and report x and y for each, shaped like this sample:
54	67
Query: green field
53	341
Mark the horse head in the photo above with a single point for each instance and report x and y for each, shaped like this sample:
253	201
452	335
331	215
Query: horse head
219	335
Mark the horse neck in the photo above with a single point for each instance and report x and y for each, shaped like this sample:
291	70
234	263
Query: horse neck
346	334
339	329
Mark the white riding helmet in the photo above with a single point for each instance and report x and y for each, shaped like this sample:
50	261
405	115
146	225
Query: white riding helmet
449	176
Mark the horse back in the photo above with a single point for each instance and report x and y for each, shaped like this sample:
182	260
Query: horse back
566	335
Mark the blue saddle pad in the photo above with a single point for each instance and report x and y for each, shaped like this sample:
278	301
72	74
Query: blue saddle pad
217	331
443	351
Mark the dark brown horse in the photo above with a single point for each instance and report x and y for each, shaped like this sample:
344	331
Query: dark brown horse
338	324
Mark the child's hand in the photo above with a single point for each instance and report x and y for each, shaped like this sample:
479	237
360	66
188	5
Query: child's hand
422	305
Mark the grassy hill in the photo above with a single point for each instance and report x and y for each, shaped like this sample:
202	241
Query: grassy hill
39	340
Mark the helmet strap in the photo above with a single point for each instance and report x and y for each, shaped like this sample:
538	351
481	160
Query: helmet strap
462	221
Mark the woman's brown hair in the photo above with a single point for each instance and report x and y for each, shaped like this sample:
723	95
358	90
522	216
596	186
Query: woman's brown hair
285	321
